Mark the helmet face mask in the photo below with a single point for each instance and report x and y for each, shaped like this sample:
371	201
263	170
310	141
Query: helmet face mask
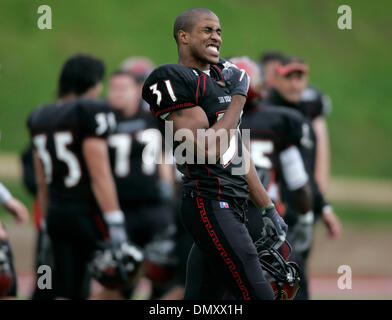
282	274
115	267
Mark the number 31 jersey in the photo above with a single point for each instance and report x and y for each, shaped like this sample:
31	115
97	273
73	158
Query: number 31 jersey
57	132
173	87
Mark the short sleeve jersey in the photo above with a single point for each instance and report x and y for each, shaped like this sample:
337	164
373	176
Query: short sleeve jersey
272	130
57	132
174	87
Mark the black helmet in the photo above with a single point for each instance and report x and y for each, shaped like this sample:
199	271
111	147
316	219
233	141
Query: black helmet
116	266
160	263
282	274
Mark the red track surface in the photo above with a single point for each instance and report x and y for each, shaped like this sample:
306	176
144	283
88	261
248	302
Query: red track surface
321	287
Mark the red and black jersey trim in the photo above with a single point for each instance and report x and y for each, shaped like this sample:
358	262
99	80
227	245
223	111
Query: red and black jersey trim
175	107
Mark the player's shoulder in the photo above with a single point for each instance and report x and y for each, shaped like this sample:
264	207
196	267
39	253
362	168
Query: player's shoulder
318	103
93	105
172	71
311	93
39	115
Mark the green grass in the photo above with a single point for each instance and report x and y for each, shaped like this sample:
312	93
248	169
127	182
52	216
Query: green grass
352	66
364	216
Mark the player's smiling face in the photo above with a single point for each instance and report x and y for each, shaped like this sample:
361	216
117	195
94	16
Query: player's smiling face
205	38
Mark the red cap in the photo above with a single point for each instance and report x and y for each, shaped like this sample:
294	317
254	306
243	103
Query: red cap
291	67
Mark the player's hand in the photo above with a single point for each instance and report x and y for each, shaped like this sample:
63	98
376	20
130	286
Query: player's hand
116	225
18	210
274	225
166	191
301	235
332	222
237	80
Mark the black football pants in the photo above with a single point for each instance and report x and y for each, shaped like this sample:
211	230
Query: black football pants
74	236
223	261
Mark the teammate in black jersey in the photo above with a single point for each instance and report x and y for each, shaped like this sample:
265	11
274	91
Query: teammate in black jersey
289	84
314	104
276	136
145	188
202	92
75	184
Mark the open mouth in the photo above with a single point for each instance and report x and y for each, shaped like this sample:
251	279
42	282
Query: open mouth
213	49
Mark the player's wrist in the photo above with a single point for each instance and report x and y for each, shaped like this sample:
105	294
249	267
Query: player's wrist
115	217
327	210
5	195
267	207
307	218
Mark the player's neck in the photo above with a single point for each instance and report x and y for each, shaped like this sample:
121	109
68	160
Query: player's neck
191	62
67	97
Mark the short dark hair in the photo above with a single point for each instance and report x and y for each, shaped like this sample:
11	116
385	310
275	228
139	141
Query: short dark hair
269	56
79	74
187	19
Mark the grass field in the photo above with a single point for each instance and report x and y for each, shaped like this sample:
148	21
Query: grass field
352	66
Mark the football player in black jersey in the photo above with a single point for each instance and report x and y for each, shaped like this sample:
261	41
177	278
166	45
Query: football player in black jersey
204	92
275	137
289	84
315	104
76	189
145	188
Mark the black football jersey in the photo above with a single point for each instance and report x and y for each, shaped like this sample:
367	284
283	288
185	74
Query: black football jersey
173	87
57	131
133	148
272	130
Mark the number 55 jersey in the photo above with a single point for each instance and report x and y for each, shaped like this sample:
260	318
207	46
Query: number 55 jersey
278	135
57	131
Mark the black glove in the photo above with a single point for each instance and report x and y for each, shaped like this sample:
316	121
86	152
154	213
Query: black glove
274	225
116	225
235	79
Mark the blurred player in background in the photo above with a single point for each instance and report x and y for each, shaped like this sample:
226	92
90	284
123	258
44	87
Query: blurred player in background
8	277
290	81
145	183
315	105
276	135
140	68
76	189
43	249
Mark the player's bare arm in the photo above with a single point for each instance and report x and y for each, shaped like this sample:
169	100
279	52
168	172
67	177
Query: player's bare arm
96	155
42	187
195	118
322	152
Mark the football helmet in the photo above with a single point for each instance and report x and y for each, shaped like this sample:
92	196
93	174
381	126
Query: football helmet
254	70
6	274
116	266
282	274
160	260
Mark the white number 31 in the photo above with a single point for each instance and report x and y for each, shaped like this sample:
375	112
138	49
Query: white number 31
158	93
